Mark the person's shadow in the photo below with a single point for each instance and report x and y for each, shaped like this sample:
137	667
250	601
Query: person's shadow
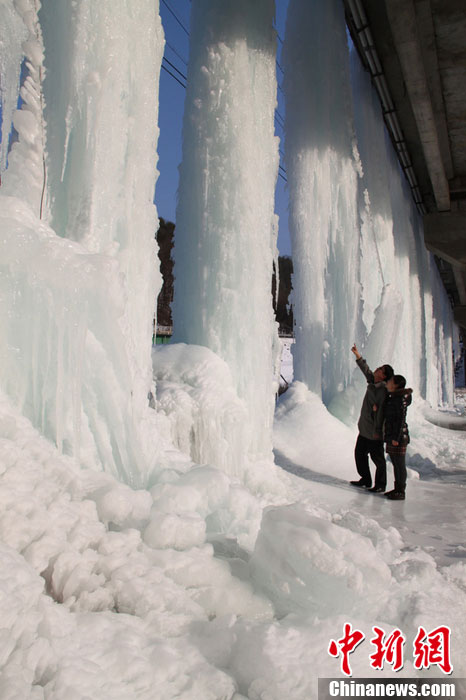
305	473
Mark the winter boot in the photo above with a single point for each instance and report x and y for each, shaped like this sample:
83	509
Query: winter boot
396	495
361	484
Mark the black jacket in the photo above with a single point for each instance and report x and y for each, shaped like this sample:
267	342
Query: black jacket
395	409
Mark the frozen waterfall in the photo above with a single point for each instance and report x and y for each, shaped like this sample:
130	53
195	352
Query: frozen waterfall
362	273
396	264
79	274
323	187
80	278
226	232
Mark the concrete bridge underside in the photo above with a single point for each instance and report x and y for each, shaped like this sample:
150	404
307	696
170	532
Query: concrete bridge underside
416	53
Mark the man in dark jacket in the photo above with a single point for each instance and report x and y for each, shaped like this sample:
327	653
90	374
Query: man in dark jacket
370	425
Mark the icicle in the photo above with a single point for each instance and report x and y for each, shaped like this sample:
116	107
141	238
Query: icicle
96	407
11	54
225	238
322	179
25	176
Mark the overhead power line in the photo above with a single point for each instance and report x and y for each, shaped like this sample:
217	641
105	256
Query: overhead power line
278	117
278	35
279	120
172	48
173	76
175	16
175	68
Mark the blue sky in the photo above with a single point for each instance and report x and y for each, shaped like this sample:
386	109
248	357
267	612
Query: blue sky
175	18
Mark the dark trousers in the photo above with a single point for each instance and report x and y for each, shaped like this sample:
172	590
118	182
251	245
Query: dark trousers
374	448
399	470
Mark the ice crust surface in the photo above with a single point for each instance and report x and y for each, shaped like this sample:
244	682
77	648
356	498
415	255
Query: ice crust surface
149	545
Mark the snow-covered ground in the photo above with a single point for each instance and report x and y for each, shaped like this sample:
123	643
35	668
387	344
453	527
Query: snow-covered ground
202	587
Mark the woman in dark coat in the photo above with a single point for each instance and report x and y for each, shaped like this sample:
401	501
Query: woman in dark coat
396	435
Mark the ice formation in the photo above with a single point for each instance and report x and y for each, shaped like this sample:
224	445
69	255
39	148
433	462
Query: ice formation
109	591
78	219
79	223
14	33
322	181
421	332
181	562
226	233
361	270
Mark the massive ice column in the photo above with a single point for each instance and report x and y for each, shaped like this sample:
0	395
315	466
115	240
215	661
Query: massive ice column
225	230
79	273
322	178
101	92
362	272
416	333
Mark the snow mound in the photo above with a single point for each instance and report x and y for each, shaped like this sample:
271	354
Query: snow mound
310	436
208	420
327	570
50	652
82	540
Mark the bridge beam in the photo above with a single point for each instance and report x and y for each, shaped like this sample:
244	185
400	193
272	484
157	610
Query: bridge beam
403	23
445	235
